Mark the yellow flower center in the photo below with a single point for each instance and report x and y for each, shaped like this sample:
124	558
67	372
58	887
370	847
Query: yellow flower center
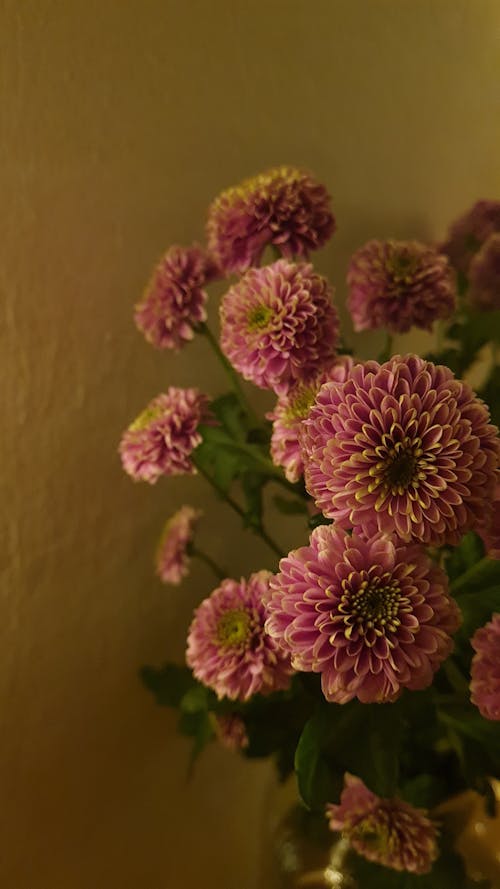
258	317
301	403
233	628
373	606
147	417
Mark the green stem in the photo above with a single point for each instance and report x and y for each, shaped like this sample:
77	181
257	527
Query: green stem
233	376
464	579
203	557
456	678
387	350
439	336
237	508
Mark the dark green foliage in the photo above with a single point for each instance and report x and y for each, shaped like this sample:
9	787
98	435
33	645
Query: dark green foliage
360	738
175	686
467	335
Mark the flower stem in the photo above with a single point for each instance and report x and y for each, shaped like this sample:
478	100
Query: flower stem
237	508
204	557
233	376
387	350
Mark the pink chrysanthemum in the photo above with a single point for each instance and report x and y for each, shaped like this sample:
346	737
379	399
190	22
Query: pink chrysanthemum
387	831
231	732
228	648
485	670
469	232
372	616
172	554
284	207
403	447
160	441
289	412
484	275
398	285
174	300
279	325
490	533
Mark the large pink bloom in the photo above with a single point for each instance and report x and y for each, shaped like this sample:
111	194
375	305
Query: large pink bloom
398	285
469	232
284	207
289	412
174	300
485	670
372	616
160	441
228	648
403	447
279	325
484	275
387	831
172	554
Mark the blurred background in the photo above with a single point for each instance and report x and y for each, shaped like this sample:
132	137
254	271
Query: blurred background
121	120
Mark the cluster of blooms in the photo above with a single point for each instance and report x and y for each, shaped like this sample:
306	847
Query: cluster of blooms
279	325
387	831
473	247
399	285
162	438
228	649
174	301
399	454
402	447
285	208
485	685
372	615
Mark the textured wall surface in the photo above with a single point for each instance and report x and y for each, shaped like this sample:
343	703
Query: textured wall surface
120	121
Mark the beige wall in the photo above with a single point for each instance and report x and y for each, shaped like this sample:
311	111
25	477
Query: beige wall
121	119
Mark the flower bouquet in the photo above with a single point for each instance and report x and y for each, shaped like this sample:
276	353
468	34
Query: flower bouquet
368	660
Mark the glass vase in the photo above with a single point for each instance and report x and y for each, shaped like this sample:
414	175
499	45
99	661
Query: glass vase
299	851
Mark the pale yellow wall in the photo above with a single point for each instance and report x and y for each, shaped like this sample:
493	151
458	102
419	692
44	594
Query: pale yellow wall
120	120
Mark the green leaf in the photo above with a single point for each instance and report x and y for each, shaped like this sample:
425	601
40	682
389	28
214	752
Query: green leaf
363	739
196	699
252	484
229	412
483	575
168	684
477	608
319	781
465	556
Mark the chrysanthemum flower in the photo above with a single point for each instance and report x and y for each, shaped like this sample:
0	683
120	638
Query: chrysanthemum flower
469	232
490	533
172	554
402	447
485	669
279	325
289	412
284	207
174	300
387	831
231	731
398	285
160	441
484	275
372	616
228	648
